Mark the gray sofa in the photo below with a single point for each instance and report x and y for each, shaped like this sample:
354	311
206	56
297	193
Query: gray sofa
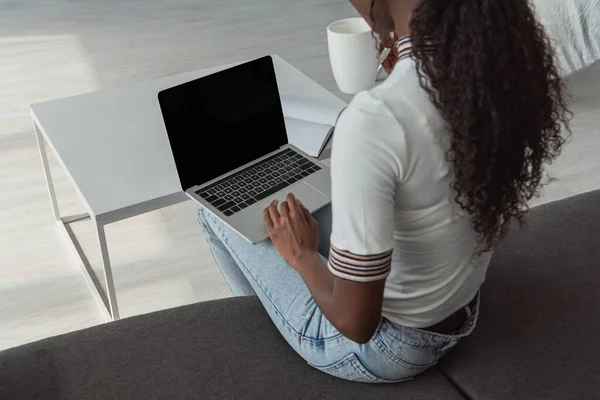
538	338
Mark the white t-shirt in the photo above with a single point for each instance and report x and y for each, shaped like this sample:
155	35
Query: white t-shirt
393	213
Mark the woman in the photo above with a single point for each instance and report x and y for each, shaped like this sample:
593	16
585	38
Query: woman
427	171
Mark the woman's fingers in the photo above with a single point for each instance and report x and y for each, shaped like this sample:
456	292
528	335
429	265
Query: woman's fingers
387	65
298	209
307	215
388	41
273	212
267	219
293	204
292	207
285	209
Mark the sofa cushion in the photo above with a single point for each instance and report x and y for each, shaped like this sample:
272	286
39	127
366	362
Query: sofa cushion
573	27
215	350
538	334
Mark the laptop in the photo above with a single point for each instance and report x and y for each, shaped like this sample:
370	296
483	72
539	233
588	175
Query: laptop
228	138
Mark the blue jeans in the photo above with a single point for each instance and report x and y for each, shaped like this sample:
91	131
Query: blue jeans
394	354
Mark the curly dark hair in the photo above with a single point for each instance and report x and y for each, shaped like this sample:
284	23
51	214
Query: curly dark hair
489	68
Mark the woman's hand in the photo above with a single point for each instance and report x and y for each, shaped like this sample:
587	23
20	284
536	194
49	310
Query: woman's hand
294	232
389	42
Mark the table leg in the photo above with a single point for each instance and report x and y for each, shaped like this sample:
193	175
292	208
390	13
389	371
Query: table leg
108	277
106	300
48	175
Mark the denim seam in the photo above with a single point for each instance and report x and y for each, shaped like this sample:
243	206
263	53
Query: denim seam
310	319
279	313
405	342
394	358
364	371
348	359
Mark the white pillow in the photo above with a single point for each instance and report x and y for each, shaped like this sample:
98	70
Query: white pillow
574	25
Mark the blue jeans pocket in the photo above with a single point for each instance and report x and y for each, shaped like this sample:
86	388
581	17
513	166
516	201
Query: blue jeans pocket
351	369
409	348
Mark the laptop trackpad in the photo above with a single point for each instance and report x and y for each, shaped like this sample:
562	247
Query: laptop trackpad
311	198
250	222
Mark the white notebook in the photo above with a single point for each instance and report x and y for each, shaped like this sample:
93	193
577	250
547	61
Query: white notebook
309	124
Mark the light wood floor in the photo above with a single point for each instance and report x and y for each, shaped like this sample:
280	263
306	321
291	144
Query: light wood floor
56	48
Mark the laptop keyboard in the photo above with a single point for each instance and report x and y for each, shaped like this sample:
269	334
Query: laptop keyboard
258	181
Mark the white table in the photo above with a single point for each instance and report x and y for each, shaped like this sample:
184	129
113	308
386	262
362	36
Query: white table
113	147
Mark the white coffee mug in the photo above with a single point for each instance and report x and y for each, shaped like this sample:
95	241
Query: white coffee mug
353	54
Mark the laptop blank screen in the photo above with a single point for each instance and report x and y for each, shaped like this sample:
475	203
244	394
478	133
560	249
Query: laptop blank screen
222	121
